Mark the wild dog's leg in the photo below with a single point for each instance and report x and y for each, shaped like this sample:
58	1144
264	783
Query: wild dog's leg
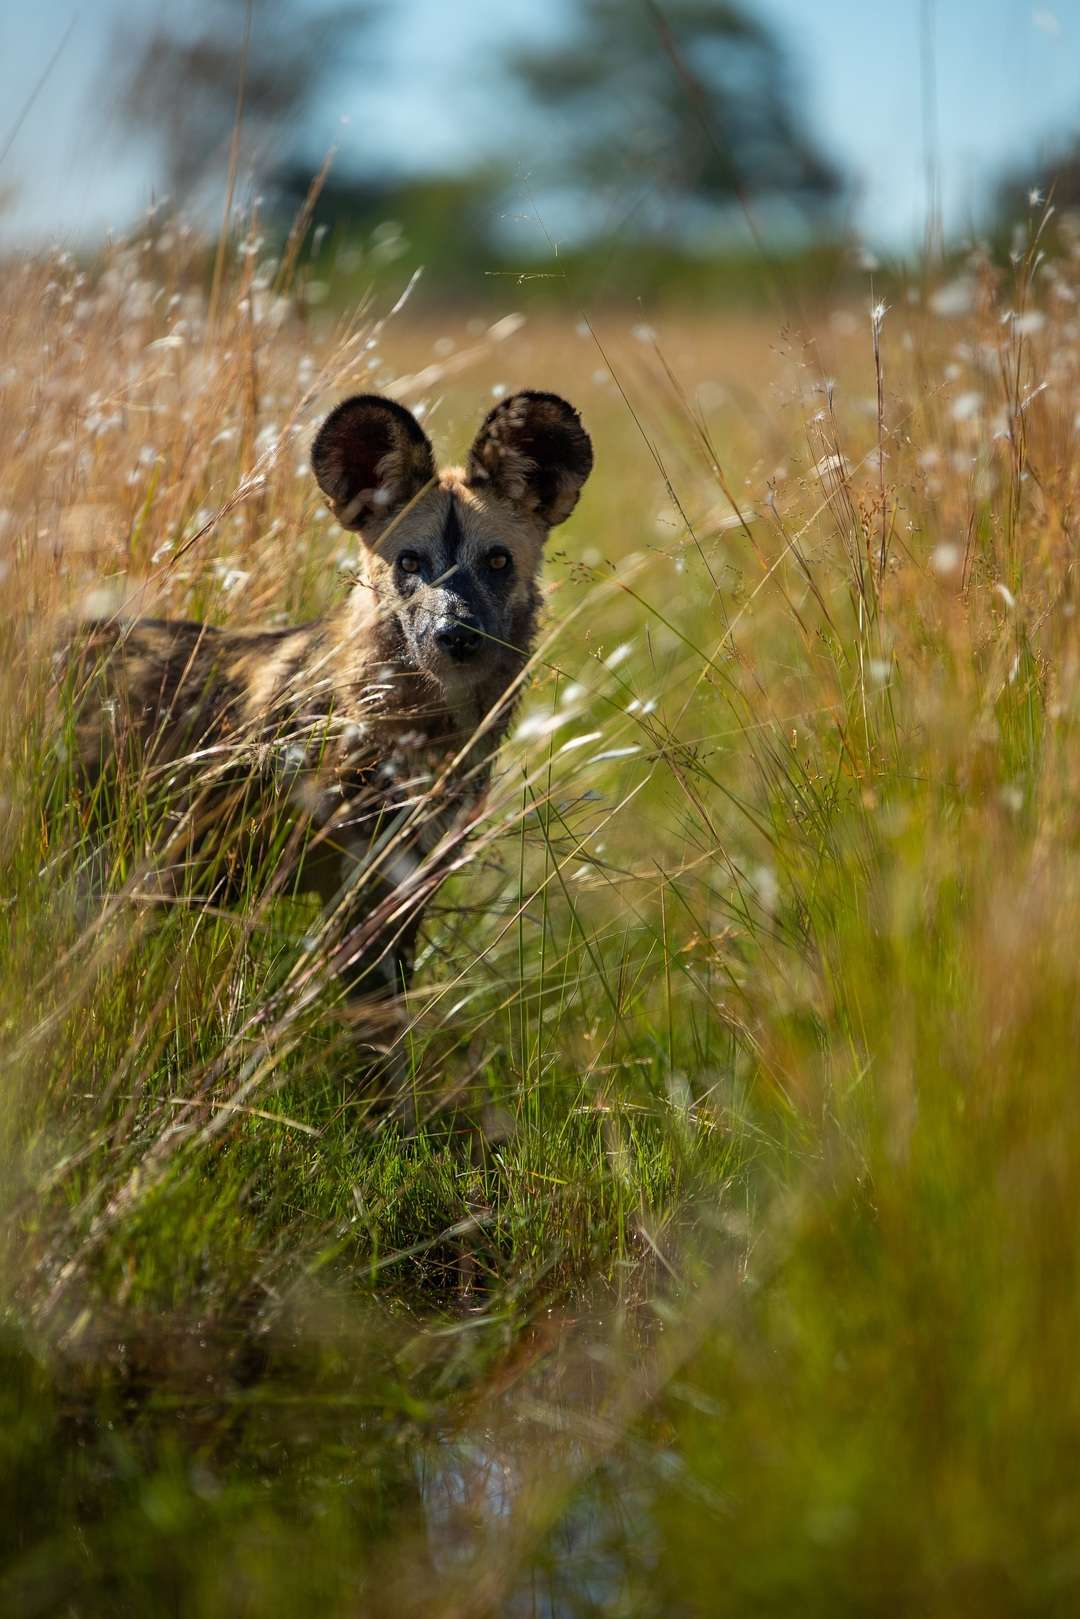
394	847
376	965
376	955
374	961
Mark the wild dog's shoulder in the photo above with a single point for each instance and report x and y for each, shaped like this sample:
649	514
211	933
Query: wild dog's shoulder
184	681
173	652
123	646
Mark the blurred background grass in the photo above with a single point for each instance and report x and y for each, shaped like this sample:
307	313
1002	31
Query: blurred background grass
731	1266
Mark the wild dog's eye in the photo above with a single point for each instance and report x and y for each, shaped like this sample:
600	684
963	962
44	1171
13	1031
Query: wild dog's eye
498	560
409	562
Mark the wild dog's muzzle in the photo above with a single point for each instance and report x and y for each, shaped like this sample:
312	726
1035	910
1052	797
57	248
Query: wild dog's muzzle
459	638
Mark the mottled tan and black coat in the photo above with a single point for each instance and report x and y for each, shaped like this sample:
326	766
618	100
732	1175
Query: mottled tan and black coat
350	754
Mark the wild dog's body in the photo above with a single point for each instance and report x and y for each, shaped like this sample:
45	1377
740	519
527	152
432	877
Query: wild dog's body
358	747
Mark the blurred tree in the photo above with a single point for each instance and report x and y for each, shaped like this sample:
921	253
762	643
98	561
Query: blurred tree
1050	177
669	111
181	76
687	105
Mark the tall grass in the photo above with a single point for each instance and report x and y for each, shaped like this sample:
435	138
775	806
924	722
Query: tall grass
729	1267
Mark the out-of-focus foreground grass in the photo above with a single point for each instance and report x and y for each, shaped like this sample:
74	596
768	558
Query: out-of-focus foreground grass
731	1268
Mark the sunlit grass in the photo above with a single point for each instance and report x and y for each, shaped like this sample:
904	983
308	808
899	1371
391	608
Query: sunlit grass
729	1267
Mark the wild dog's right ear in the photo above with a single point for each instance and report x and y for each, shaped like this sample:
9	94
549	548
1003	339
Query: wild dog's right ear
371	457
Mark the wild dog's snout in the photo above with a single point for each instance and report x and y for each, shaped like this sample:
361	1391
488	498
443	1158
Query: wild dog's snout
459	638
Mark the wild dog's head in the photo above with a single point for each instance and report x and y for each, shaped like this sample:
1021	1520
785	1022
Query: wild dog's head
454	557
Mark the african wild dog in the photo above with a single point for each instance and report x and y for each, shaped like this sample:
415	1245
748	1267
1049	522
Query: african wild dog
361	742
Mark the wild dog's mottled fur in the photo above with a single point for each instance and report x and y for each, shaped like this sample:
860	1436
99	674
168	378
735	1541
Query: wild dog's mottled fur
357	747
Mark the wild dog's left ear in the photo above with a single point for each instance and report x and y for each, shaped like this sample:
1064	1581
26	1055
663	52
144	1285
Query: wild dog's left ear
533	452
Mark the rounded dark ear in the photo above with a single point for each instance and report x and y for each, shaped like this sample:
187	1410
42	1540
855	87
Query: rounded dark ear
533	452
371	457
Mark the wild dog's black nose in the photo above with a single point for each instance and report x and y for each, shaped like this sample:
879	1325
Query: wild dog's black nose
457	638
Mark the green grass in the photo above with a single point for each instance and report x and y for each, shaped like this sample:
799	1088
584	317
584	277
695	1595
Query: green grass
730	1267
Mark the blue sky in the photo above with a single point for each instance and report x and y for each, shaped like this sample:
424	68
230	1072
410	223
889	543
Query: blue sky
1007	82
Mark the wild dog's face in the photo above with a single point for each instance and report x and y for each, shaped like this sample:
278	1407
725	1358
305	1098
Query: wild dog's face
455	557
